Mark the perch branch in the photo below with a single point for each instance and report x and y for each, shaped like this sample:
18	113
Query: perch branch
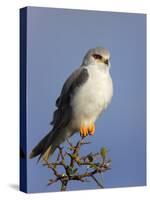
90	165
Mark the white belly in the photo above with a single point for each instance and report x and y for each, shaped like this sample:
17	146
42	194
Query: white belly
92	98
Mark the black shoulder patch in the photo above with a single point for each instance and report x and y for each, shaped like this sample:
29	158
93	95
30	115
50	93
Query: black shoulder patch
63	112
80	80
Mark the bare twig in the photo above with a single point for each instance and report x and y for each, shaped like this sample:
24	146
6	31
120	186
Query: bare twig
91	164
98	183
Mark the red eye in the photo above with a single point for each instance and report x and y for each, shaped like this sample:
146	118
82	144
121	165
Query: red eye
97	56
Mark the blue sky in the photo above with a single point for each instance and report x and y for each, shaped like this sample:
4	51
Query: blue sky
57	40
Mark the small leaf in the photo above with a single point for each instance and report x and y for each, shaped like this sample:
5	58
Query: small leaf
103	152
90	158
54	166
75	170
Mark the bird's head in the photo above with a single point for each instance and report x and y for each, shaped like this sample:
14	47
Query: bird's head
98	56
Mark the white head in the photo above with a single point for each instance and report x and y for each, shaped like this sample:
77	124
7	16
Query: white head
97	56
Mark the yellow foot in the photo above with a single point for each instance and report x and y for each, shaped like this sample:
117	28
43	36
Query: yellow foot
91	129
83	131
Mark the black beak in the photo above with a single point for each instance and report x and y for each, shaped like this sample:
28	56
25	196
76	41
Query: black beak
106	61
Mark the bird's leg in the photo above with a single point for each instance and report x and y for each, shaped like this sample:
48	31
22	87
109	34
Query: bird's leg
83	130
91	128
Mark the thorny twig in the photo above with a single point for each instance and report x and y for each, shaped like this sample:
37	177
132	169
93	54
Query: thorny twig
91	164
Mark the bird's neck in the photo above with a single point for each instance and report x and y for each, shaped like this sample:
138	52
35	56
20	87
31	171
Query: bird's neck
102	68
97	71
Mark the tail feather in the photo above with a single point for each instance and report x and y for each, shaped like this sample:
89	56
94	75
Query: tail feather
48	144
38	149
46	155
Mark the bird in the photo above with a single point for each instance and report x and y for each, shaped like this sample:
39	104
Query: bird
85	95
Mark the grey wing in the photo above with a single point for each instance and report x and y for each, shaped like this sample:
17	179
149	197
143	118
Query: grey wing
61	116
63	113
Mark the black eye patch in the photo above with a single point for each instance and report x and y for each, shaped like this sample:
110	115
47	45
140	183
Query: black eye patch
97	56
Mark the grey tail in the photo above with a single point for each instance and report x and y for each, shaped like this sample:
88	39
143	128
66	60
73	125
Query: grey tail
48	144
43	147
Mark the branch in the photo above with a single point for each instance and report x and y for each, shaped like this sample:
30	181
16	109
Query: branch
98	183
91	164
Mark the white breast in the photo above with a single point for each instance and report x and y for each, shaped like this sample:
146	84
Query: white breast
93	97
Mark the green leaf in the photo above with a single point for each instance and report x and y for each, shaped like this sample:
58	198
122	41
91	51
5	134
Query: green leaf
54	166
103	152
75	170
